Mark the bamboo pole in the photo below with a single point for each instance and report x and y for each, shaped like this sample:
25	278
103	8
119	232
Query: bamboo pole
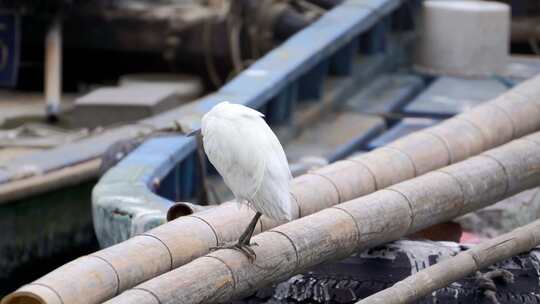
178	242
337	232
465	263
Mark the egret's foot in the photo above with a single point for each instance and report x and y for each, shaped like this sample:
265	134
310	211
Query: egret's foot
243	248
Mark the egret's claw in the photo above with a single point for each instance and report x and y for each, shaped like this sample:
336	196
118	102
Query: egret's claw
244	249
248	252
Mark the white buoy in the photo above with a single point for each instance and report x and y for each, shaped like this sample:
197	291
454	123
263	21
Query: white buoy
463	38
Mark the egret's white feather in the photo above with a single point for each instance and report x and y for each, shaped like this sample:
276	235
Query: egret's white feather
249	157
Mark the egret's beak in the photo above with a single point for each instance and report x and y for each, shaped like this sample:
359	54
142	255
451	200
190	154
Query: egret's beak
195	132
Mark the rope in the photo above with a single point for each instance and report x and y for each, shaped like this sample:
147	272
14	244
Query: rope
486	282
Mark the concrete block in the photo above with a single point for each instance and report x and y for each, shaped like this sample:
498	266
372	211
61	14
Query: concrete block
464	37
188	87
112	105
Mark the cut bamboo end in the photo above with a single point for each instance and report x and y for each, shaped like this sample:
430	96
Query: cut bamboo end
26	298
183	209
33	294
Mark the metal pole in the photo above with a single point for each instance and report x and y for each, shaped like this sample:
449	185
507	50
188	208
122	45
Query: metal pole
53	69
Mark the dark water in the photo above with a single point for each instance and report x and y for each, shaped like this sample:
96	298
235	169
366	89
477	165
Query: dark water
44	232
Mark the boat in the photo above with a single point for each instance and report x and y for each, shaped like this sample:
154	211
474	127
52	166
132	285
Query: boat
329	91
55	145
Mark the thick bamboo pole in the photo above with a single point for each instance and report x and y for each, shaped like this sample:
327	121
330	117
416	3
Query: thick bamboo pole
465	263
339	231
124	265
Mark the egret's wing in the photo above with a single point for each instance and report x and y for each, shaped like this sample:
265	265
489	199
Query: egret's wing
273	198
280	164
237	150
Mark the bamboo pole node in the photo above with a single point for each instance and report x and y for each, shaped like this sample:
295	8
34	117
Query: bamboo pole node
460	185
148	292
293	196
409	203
194	216
503	168
360	162
111	266
358	231
217	258
420	147
505	112
451	158
413	165
292	244
339	195
495	132
485	142
378	164
159	240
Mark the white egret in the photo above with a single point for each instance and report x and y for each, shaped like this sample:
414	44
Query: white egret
251	160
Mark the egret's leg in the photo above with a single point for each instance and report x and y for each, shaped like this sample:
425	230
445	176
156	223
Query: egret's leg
244	241
248	233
